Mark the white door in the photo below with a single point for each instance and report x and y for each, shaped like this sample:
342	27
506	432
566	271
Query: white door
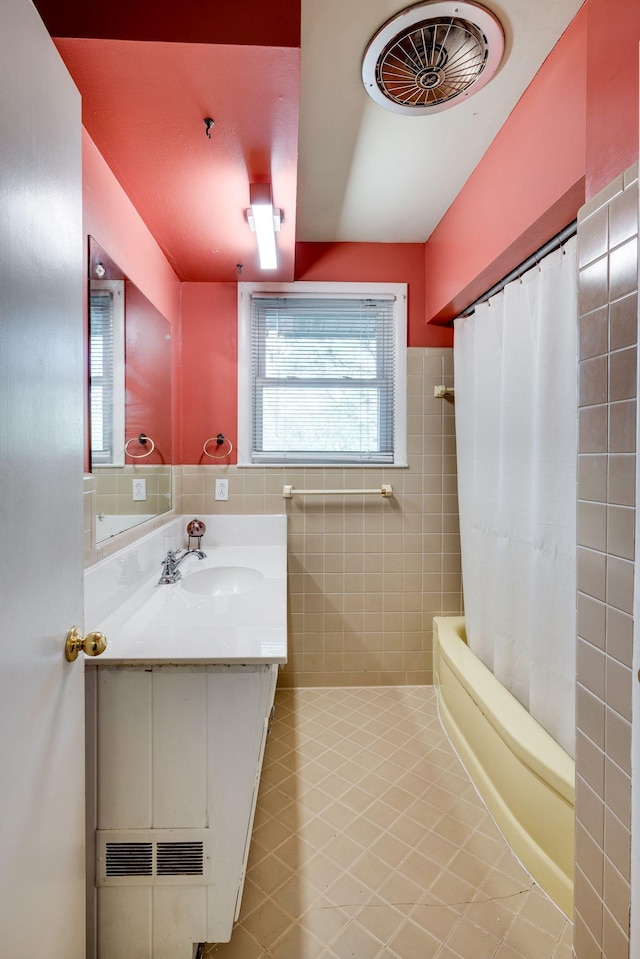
634	915
41	442
634	912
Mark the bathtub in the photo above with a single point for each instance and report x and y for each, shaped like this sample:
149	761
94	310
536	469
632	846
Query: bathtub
525	778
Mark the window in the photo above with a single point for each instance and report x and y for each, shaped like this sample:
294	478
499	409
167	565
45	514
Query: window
322	374
106	352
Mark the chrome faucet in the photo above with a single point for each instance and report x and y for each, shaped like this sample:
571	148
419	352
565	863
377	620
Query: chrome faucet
173	560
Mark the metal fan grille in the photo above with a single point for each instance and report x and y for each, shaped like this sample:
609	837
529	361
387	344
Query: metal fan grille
432	62
432	55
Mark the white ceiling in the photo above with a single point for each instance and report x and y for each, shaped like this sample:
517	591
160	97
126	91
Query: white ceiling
366	174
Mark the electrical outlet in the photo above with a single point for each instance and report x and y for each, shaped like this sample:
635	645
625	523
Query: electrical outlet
139	489
222	489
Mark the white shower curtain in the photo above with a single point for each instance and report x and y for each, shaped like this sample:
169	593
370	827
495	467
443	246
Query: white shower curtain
515	382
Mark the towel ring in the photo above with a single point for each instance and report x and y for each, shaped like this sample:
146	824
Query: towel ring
143	439
219	439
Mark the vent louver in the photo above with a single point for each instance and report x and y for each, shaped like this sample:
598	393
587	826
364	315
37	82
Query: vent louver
129	859
431	54
180	859
152	856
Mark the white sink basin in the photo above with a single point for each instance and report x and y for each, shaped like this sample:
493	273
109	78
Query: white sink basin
229	608
222	580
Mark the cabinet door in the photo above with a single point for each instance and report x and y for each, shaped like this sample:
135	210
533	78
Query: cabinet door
239	700
271	681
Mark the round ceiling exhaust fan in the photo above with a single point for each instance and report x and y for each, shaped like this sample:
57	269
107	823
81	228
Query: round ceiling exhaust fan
432	55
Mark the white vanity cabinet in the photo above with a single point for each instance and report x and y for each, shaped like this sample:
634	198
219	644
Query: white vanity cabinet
178	757
178	707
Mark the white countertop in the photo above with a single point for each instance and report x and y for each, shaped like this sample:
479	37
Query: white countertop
170	624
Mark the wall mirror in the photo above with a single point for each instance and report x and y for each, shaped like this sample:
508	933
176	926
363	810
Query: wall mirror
130	399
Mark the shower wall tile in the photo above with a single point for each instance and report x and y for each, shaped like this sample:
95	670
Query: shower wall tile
593	813
590	897
591	761
591	620
618	739
590	713
618	687
592	525
608	326
594	334
616	893
623	269
592	477
622	375
615	944
617	843
590	859
592	573
622	479
593	241
617	786
591	667
593	381
619	635
366	575
622	427
623	218
604	198
592	429
593	289
623	323
621	532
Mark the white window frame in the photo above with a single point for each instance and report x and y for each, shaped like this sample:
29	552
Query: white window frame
117	431
398	291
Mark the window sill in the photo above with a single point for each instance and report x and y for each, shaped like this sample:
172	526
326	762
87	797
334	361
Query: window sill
323	466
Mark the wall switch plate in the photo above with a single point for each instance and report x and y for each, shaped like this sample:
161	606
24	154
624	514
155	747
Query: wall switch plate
139	489
222	489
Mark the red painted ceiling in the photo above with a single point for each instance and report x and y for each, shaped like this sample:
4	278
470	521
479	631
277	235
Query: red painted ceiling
149	75
144	104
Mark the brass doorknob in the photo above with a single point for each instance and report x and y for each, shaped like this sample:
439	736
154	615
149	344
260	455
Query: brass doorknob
93	644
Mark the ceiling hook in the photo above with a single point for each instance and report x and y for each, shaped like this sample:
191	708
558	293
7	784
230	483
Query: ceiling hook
208	123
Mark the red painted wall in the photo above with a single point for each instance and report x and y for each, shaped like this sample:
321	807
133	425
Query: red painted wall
148	375
527	187
110	217
612	90
375	263
209	369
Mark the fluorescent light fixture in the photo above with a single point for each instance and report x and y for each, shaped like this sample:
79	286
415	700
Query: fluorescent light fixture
264	221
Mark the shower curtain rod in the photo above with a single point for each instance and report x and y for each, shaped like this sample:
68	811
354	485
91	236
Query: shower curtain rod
553	244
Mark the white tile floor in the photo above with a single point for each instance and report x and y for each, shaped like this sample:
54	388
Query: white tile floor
370	842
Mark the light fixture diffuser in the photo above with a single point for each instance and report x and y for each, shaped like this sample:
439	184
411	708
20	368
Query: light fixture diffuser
264	220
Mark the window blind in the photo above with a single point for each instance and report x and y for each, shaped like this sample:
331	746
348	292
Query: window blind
101	352
322	379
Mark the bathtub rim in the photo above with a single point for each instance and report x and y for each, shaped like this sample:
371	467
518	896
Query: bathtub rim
518	731
550	868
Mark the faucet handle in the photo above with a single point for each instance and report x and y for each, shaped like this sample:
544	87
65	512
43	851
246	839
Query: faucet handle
170	558
170	572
